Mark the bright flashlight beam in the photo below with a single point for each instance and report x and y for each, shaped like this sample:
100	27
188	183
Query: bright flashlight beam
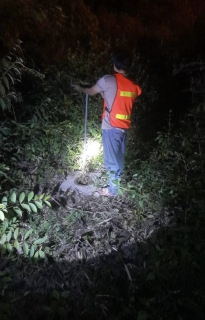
91	150
85	133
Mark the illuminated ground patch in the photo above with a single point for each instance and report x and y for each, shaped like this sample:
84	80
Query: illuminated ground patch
83	183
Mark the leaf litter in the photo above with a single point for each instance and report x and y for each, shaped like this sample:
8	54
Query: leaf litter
91	241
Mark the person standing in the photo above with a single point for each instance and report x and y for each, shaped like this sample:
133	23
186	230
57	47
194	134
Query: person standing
119	93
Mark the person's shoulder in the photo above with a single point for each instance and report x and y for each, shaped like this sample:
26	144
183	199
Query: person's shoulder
106	81
108	77
134	82
132	79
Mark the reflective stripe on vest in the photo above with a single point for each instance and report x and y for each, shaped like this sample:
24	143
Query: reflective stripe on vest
122	116
127	94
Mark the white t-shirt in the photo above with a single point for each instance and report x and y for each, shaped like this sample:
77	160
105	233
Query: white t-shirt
108	85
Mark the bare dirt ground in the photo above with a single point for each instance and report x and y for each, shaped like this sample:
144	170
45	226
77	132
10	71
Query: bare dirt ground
107	260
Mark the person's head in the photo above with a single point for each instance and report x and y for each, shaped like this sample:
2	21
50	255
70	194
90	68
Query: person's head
122	61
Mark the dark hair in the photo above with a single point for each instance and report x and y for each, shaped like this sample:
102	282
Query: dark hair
122	60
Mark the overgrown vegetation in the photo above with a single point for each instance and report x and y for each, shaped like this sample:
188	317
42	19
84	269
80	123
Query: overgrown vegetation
65	255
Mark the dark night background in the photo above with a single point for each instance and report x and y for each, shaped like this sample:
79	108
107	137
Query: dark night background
165	34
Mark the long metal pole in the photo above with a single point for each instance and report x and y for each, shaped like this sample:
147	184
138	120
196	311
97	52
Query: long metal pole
85	130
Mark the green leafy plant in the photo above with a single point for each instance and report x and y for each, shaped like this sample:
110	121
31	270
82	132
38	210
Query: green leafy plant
172	173
12	233
10	74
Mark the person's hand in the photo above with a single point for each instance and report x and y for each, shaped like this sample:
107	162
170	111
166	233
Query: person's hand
77	87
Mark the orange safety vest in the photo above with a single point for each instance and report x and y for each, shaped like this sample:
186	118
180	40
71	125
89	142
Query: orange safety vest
120	113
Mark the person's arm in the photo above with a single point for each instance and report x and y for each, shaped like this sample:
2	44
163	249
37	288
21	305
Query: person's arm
91	91
102	94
